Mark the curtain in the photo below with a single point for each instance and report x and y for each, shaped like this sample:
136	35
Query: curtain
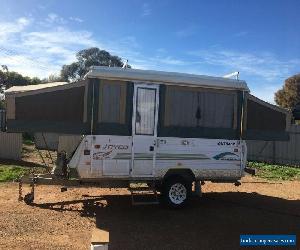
198	107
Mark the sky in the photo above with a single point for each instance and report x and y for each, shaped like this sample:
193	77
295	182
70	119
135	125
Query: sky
260	39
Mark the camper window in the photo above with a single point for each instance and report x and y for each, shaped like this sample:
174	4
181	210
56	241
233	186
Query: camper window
198	107
112	102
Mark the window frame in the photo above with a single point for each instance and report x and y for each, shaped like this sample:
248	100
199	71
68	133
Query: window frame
122	101
155	107
168	111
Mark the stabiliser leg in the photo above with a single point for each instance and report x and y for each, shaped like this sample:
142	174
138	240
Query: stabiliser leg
28	198
20	189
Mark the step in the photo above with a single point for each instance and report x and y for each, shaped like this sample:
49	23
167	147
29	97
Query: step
143	196
137	203
142	200
137	189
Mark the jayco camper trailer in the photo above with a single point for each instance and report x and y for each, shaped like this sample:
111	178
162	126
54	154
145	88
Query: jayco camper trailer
164	129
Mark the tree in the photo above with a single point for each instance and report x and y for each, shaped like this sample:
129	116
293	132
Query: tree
3	75
11	78
289	95
52	78
16	79
87	58
2	105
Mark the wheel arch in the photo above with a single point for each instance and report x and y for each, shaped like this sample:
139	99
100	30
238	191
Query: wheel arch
185	173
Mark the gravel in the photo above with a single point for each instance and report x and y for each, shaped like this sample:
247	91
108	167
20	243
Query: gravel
65	220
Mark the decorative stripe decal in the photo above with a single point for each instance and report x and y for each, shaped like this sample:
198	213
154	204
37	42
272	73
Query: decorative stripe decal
145	156
226	156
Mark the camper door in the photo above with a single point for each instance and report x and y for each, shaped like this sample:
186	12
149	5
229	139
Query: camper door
144	129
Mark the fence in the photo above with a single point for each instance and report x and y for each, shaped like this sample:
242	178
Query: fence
68	143
277	152
46	140
10	146
57	142
2	120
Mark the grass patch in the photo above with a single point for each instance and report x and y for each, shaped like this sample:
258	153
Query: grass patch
28	142
10	173
28	139
275	172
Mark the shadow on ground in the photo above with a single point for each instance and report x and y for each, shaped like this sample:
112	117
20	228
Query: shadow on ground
213	222
21	163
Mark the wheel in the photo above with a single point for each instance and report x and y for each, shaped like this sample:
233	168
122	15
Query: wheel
28	198
176	192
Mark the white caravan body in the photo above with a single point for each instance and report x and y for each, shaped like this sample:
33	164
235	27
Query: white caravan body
104	156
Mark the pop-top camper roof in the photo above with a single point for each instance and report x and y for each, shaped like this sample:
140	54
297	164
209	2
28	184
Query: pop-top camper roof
102	103
26	88
172	78
115	73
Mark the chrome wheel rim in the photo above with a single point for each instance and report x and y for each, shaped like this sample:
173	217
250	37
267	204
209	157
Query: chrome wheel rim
177	193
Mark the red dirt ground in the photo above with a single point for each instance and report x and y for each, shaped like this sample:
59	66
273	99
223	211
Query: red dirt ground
64	220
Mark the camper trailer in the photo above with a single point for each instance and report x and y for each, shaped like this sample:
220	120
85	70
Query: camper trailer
167	130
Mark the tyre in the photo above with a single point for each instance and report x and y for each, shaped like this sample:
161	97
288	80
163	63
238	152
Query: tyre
176	192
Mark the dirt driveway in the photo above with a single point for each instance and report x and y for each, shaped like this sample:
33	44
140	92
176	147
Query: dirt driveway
65	220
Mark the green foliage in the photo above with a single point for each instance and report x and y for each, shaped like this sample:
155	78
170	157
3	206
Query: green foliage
35	80
28	139
28	142
275	172
87	58
289	95
11	78
10	173
53	78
